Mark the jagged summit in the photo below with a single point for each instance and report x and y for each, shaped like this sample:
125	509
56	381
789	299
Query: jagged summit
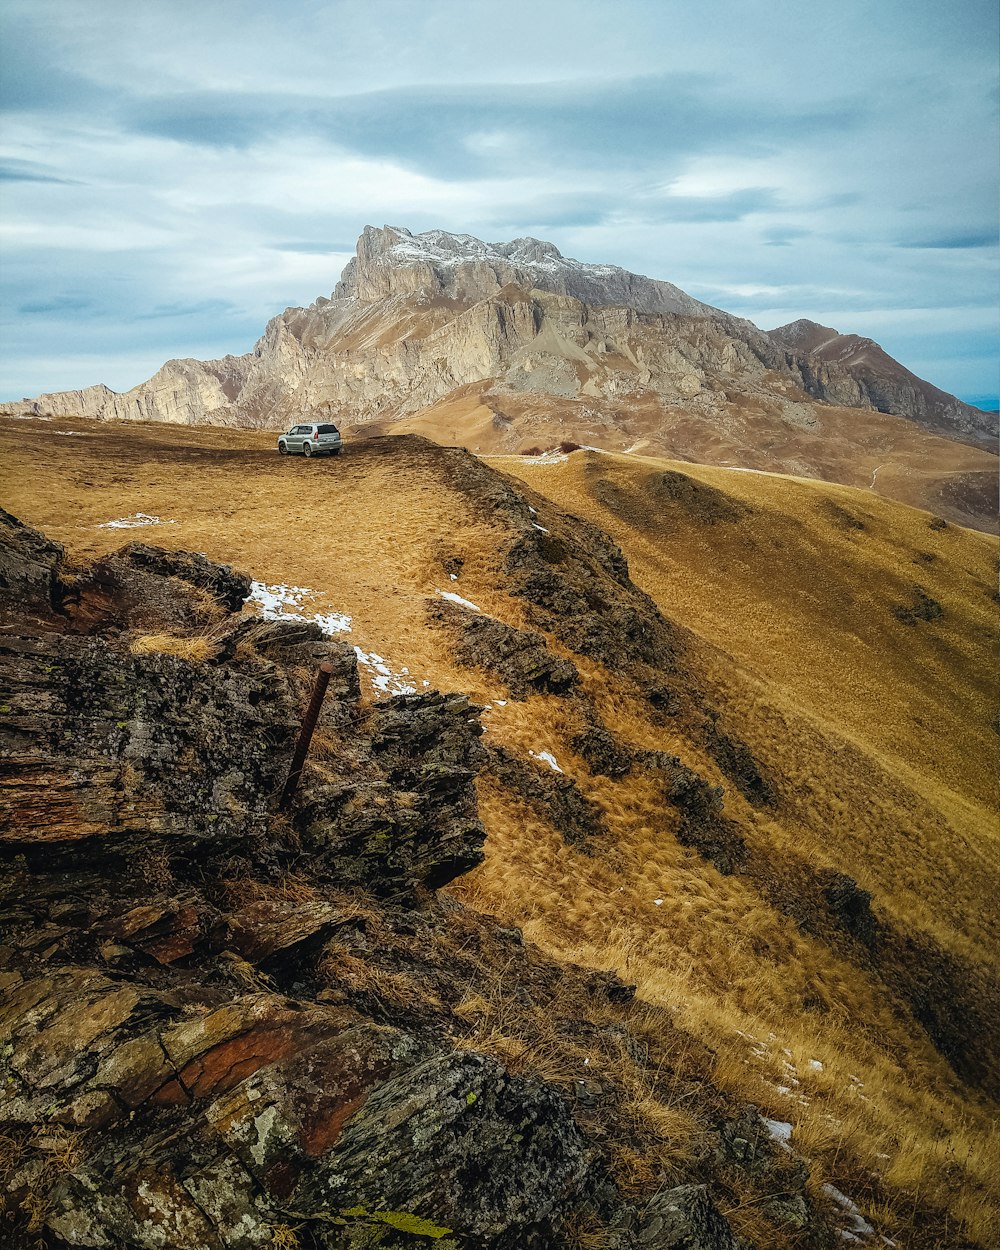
393	261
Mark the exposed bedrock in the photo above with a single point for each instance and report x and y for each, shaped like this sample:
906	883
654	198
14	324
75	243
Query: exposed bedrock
222	1025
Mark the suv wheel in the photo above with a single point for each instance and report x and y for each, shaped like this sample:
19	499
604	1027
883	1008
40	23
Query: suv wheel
282	449
307	449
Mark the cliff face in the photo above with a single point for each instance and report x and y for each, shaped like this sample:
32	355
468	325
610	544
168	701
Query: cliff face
416	318
826	356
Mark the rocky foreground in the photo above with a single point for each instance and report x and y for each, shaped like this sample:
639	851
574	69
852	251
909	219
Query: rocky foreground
224	1025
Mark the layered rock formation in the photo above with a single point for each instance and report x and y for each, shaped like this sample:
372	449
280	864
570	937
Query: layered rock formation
224	1026
417	318
883	383
227	1025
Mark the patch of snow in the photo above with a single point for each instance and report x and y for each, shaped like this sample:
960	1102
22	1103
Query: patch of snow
657	902
540	527
136	521
547	758
69	433
453	576
285	603
501	702
815	1065
780	1131
381	676
533	511
453	598
443	250
857	1227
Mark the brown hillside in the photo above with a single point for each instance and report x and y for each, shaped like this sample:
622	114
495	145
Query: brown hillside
821	655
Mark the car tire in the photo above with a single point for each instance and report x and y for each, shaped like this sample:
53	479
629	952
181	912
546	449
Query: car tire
307	449
282	449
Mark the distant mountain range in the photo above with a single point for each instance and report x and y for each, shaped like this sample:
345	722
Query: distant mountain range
503	346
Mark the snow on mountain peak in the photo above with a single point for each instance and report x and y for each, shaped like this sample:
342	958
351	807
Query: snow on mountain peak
394	261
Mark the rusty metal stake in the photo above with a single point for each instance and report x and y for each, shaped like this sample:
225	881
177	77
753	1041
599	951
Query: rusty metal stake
306	733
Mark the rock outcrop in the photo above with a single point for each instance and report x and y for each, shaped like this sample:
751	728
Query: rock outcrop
829	361
416	319
225	1025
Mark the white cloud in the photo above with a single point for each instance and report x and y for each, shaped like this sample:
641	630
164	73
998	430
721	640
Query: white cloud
854	196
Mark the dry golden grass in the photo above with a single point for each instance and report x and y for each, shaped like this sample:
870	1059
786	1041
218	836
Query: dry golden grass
285	1237
195	650
878	735
55	1151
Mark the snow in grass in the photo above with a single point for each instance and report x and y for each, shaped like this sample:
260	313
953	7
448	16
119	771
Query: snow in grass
780	1131
381	676
453	598
136	521
541	528
856	1227
286	603
657	902
547	758
548	457
815	1065
453	576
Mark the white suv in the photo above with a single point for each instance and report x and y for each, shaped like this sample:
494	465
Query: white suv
311	440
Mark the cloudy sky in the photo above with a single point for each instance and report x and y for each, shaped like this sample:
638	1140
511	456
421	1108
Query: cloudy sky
174	172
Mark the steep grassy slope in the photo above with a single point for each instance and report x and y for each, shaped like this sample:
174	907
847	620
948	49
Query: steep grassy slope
823	655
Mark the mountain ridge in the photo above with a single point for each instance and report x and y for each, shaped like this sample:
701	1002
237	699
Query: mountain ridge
504	348
735	747
282	376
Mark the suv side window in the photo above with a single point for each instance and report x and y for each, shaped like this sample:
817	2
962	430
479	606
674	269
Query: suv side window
301	429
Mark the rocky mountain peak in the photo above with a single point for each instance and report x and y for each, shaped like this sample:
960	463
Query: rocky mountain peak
392	261
803	334
538	347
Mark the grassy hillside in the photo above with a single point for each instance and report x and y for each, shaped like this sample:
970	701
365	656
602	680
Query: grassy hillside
825	657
